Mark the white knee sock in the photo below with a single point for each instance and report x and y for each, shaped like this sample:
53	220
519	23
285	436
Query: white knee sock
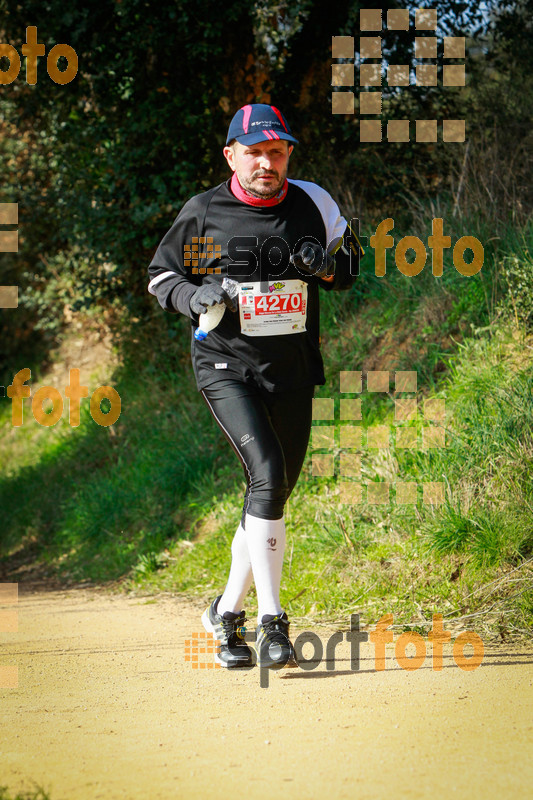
240	575
266	545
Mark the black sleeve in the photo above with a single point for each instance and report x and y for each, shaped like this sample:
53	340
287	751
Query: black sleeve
170	280
347	256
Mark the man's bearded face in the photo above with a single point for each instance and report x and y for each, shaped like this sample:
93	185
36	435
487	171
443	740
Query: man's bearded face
261	168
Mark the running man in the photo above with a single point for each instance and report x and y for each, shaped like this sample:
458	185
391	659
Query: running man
282	241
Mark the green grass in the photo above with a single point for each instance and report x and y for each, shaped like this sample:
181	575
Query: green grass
35	794
92	500
154	501
411	560
490	457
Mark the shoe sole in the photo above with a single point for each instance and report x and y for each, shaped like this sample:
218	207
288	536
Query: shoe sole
208	626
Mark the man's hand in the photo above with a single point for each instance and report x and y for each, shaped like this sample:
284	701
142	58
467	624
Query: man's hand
313	259
209	295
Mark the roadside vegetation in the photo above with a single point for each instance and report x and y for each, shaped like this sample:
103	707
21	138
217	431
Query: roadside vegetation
151	502
36	794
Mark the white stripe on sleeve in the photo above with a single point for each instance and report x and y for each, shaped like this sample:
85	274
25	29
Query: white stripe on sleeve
334	222
159	278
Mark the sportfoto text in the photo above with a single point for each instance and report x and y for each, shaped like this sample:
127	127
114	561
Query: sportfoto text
17	390
379	638
32	50
275	253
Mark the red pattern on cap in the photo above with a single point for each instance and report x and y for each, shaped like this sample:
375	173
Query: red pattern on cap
246	118
278	114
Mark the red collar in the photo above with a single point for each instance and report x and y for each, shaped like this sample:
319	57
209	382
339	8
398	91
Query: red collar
242	194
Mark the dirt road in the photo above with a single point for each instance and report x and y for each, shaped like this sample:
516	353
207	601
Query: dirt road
108	707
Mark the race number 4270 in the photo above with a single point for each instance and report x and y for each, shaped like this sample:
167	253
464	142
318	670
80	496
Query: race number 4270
278	303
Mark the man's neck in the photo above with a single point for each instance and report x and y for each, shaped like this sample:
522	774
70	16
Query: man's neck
241	194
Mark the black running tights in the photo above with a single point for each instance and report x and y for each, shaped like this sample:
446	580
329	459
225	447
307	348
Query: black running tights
269	432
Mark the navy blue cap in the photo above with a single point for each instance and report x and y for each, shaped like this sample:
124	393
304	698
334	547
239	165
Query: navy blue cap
258	122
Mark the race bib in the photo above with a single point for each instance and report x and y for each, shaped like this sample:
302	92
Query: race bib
282	309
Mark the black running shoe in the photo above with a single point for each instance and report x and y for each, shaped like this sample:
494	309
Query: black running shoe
273	646
229	630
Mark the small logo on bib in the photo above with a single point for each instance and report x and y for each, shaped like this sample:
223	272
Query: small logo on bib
221	366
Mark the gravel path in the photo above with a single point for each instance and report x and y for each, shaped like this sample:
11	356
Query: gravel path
108	707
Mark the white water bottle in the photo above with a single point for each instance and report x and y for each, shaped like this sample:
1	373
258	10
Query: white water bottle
213	314
209	320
